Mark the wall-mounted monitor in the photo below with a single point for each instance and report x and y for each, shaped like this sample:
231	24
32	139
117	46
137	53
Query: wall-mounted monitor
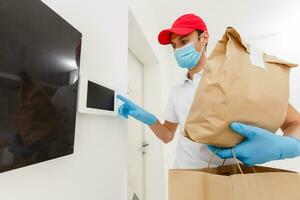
100	97
97	97
39	63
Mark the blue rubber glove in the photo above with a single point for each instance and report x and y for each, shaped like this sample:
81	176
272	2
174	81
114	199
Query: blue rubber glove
130	108
259	146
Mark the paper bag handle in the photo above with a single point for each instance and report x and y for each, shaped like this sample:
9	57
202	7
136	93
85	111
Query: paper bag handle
235	158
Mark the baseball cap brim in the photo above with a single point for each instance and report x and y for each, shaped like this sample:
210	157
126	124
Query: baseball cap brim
164	36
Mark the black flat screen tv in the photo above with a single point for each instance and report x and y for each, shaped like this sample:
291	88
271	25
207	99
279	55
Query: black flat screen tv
39	67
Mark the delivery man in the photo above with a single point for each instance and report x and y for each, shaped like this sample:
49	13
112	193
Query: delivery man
189	37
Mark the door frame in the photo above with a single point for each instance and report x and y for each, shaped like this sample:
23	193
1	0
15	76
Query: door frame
153	158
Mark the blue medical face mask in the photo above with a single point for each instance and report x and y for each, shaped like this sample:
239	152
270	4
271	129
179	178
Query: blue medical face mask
187	56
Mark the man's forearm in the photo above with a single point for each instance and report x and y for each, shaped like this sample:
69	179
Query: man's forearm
292	130
161	132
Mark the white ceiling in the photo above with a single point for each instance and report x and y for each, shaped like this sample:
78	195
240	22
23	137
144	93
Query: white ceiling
252	18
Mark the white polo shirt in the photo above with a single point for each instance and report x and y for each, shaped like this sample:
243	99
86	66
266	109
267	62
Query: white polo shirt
189	154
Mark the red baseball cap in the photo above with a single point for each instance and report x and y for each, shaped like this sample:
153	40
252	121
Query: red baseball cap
182	26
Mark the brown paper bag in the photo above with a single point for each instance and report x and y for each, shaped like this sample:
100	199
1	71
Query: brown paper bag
226	183
236	87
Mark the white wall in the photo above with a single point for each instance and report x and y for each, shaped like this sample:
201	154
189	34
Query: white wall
97	169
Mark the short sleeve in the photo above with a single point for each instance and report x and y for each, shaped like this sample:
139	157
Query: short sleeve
169	112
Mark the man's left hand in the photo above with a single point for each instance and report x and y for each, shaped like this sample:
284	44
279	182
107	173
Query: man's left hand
259	146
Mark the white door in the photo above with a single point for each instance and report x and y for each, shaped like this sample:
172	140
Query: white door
135	131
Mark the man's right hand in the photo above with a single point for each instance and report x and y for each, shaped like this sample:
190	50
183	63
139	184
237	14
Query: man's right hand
137	112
